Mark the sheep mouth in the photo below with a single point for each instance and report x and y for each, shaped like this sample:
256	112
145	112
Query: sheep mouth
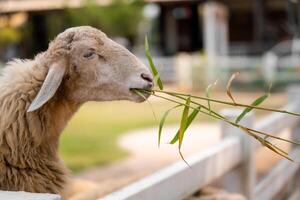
140	94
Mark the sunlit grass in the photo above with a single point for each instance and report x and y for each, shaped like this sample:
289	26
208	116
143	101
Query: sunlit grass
90	139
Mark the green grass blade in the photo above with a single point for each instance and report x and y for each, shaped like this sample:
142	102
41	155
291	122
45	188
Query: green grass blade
162	122
191	118
255	103
152	66
183	123
175	138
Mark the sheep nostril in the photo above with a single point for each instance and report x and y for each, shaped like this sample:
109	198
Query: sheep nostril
149	86
148	78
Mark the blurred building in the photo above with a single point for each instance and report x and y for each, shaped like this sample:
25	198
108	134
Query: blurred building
35	12
253	25
232	35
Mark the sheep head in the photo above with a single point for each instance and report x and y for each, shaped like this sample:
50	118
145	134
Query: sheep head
88	66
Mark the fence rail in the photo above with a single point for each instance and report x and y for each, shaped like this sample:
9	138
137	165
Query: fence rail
8	195
179	180
274	122
234	155
277	178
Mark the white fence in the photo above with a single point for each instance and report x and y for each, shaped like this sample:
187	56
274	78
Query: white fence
234	157
8	195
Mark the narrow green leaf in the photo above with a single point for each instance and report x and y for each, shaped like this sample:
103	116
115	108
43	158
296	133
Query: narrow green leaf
175	138
162	121
256	102
183	123
191	118
156	78
152	66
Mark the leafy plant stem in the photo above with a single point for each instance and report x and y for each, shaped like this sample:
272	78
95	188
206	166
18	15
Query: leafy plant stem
228	103
228	121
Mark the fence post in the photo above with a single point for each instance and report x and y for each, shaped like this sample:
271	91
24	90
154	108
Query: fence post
294	97
241	179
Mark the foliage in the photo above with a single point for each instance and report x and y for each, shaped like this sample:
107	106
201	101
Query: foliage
9	36
120	18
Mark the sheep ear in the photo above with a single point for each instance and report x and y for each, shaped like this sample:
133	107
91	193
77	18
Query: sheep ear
51	84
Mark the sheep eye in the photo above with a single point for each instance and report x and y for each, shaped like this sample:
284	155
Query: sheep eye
89	55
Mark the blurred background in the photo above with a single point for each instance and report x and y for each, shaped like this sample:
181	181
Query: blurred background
193	42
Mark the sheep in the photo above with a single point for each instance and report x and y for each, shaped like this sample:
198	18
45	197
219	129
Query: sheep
38	97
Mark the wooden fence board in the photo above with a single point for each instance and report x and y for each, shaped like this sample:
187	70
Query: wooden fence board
178	180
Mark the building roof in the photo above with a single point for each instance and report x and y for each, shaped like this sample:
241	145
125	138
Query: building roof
171	1
11	6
